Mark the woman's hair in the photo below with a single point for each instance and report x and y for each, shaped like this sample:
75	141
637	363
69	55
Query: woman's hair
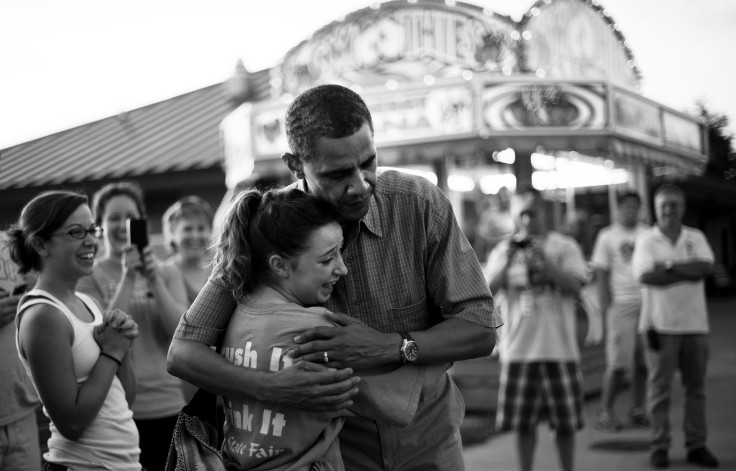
42	216
189	207
111	190
257	225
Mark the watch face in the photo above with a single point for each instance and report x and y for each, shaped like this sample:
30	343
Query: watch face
411	350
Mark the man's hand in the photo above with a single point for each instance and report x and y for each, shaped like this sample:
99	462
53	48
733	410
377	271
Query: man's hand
351	344
8	308
308	386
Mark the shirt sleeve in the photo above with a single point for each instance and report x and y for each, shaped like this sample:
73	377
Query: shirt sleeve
495	261
642	261
601	255
207	318
573	261
701	249
455	280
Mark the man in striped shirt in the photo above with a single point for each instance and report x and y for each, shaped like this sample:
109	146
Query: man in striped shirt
414	292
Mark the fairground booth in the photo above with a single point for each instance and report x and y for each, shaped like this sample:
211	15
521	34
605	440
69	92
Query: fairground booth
476	102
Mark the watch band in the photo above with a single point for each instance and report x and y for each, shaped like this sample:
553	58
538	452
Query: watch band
406	336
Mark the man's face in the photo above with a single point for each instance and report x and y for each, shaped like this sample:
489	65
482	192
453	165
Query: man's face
669	208
342	172
628	211
527	211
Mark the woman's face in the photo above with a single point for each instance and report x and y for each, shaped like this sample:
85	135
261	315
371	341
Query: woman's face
314	272
190	236
118	209
74	257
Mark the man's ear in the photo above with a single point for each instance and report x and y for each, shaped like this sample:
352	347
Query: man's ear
294	164
279	266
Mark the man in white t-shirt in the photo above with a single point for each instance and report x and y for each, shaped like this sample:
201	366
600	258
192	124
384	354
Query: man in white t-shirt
541	273
619	296
671	261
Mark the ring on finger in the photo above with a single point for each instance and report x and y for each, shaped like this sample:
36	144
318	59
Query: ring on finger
327	358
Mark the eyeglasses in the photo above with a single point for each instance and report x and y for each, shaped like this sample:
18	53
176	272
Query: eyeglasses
78	232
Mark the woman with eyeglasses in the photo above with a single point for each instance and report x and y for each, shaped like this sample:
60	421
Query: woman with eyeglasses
76	356
134	281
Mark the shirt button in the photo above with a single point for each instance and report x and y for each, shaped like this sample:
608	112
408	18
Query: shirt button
358	301
349	260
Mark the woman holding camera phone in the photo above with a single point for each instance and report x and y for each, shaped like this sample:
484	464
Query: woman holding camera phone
133	281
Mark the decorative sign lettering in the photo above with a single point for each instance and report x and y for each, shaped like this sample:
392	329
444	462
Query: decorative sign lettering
400	41
525	106
637	117
682	132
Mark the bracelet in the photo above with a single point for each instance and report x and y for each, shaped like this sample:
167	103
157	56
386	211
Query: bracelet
103	354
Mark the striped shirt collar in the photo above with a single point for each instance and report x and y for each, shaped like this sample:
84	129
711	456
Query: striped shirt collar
372	219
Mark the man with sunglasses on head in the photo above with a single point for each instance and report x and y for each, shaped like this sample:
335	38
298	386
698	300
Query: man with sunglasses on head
541	273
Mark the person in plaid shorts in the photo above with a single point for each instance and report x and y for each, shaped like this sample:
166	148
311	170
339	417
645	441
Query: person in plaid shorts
541	273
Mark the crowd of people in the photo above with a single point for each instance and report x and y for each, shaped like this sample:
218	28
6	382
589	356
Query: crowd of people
326	315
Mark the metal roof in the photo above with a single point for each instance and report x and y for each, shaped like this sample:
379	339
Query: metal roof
181	133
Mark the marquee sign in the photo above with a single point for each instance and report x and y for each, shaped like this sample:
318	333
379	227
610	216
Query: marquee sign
397	117
400	41
526	106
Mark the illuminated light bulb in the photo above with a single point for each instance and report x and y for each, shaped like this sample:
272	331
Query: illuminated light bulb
515	35
467	74
535	11
527	35
450	3
287	98
506	70
460	183
276	82
392	84
429	79
488	12
541	73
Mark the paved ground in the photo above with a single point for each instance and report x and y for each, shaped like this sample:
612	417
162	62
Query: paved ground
627	450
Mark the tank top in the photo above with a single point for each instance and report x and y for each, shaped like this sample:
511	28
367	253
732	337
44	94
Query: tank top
110	441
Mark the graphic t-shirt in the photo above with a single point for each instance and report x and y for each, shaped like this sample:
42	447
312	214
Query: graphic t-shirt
540	321
263	435
613	252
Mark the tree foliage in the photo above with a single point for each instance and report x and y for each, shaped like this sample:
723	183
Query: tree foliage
721	156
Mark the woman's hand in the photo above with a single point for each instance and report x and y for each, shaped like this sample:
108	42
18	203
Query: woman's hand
116	333
131	261
149	268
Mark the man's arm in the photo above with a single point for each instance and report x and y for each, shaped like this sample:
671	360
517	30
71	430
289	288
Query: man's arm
664	274
303	385
454	283
603	288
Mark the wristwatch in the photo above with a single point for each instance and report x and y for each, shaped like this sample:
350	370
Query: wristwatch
409	350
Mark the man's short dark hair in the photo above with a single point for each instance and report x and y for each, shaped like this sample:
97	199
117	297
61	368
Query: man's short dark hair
626	194
670	188
330	111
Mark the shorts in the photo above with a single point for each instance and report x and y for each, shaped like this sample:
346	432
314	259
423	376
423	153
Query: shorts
530	391
623	344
